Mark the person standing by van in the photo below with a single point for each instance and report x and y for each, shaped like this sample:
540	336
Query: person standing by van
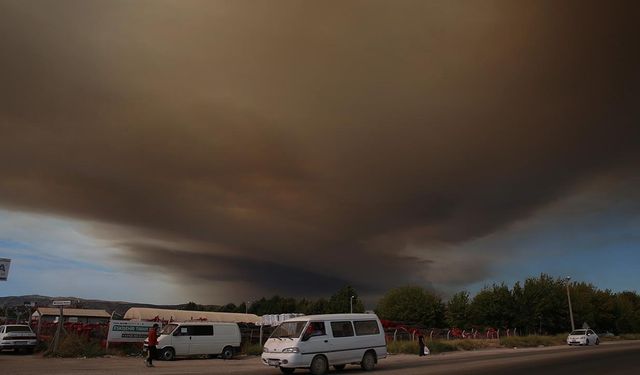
153	341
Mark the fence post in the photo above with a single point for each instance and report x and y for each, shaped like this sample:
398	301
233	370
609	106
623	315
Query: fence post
448	331
394	335
431	336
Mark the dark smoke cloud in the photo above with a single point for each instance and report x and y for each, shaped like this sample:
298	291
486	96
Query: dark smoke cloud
270	144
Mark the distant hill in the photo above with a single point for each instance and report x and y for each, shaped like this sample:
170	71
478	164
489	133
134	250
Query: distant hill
120	307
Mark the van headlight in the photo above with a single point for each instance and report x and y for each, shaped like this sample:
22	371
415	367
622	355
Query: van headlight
291	350
265	350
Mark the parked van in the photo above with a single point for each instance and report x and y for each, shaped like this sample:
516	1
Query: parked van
198	338
319	341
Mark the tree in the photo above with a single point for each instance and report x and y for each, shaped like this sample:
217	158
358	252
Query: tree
457	313
340	302
493	307
412	304
191	306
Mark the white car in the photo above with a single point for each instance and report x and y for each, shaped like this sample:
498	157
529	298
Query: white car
18	337
583	337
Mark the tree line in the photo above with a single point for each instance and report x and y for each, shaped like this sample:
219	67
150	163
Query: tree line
538	305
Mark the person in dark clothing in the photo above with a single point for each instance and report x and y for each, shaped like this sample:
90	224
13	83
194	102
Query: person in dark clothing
421	345
152	342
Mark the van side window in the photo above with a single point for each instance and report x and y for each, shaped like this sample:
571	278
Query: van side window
366	327
183	331
315	329
342	329
204	330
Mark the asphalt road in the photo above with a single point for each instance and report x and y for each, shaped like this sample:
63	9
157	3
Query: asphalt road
609	358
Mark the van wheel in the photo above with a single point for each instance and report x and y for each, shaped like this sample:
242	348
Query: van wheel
339	367
368	361
227	352
597	341
319	365
287	370
168	354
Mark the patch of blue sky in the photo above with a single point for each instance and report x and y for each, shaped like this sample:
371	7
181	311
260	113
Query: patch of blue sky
24	255
590	237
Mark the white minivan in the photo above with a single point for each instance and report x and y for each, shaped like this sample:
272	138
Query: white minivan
198	338
319	341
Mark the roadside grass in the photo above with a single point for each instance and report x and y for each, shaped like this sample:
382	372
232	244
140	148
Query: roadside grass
532	341
623	336
630	336
439	346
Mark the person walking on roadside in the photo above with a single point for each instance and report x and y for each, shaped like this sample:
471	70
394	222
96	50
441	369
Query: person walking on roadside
152	342
421	345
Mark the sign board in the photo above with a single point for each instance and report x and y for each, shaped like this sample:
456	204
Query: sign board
129	331
61	303
4	268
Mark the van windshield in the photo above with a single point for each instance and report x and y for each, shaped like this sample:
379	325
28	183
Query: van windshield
168	329
288	330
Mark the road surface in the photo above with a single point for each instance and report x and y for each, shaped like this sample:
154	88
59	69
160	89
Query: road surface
609	358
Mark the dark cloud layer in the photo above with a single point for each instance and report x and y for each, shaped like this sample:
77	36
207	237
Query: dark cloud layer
268	144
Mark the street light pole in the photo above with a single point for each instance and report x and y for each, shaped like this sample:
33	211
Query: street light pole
573	326
351	303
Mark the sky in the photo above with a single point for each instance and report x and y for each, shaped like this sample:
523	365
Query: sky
222	151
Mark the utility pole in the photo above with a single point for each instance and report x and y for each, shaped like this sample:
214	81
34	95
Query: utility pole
351	304
573	326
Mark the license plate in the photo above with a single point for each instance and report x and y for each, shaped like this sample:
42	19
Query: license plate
273	362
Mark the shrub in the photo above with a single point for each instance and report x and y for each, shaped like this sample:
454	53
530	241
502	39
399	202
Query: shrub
251	349
403	346
73	345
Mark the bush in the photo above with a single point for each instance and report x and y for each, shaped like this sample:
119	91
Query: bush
251	349
403	346
73	345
